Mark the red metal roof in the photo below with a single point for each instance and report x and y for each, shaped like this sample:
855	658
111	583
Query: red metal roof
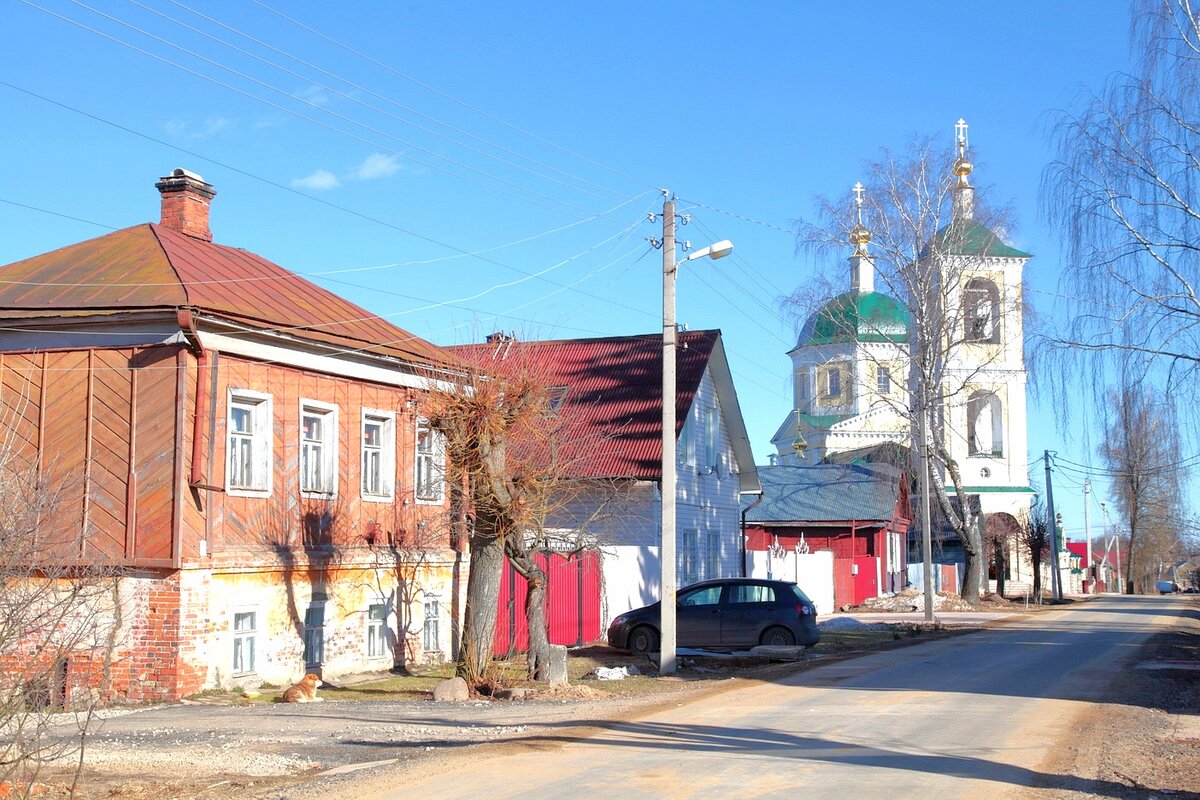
614	403
151	267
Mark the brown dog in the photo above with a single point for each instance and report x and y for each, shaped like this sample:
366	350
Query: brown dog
304	690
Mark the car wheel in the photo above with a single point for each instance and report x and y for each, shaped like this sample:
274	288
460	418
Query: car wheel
778	636
643	640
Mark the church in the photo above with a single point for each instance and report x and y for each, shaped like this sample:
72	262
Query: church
853	381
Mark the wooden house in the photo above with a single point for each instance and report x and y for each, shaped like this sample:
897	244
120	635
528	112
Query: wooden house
241	446
610	397
858	513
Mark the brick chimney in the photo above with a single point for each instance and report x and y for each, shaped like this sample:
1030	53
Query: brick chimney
185	199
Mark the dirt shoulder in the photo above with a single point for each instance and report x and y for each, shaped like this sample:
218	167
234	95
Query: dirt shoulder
1146	738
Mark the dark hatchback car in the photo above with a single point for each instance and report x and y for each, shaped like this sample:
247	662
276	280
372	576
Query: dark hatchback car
729	613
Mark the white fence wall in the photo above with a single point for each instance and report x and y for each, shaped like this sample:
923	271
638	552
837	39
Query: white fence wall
812	572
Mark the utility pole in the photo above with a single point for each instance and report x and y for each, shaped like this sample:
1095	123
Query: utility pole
666	660
1087	533
1052	521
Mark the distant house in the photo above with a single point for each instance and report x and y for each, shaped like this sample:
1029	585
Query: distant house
240	443
611	394
857	513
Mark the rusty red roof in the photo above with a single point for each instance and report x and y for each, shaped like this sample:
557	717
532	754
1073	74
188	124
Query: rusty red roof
148	267
614	399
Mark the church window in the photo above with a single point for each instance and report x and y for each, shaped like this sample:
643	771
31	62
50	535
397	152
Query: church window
833	380
985	425
883	380
801	386
981	311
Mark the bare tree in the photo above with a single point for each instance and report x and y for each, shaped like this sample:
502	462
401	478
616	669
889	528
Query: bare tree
917	231
1033	538
60	620
1122	191
503	455
1142	454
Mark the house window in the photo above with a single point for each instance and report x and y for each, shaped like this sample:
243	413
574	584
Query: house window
318	448
249	443
689	566
555	397
430	463
714	554
711	439
833	380
431	637
314	634
985	425
377	630
687	441
244	633
981	311
378	455
883	380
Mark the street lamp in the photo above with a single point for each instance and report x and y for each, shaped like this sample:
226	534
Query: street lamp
666	660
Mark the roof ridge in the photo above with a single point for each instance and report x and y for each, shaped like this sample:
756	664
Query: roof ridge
187	295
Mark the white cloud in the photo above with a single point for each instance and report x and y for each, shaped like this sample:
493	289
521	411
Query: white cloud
318	180
182	126
377	165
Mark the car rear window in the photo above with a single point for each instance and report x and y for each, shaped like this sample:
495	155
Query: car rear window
752	594
801	597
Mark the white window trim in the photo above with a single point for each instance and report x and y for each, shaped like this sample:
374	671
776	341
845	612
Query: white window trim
330	444
388	456
432	598
263	442
439	454
233	635
383	629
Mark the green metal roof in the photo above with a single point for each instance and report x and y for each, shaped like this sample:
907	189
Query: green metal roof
969	238
823	420
857	317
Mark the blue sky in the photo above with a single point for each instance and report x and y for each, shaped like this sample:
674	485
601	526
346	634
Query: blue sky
400	138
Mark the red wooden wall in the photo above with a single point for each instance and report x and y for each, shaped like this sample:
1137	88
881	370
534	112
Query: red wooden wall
572	602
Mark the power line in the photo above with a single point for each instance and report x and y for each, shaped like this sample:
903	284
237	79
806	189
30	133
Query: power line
315	121
450	97
386	99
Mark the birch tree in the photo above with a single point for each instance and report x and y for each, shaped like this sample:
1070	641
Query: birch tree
1122	192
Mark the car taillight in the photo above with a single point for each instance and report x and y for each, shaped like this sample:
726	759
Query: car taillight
805	610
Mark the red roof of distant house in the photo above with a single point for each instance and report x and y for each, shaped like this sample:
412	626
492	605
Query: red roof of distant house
150	267
614	402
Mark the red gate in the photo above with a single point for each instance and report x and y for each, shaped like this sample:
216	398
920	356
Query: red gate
572	602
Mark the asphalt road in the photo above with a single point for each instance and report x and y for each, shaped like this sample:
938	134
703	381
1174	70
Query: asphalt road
970	717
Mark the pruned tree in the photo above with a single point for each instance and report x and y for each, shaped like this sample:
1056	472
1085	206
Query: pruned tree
1033	538
917	232
60	622
507	469
1122	192
1142	454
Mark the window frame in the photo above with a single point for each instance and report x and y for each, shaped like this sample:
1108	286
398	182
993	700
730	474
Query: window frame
833	382
376	633
436	626
436	456
981	293
711	437
883	380
314	635
329	444
261	438
387	455
240	636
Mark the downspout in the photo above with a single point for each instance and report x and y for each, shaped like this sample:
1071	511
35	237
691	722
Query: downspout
187	323
746	511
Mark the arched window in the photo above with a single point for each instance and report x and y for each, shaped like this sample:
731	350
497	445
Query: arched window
985	425
981	311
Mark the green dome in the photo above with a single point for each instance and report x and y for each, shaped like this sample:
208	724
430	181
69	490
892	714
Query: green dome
857	317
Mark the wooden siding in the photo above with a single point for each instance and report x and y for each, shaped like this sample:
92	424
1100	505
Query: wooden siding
285	521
